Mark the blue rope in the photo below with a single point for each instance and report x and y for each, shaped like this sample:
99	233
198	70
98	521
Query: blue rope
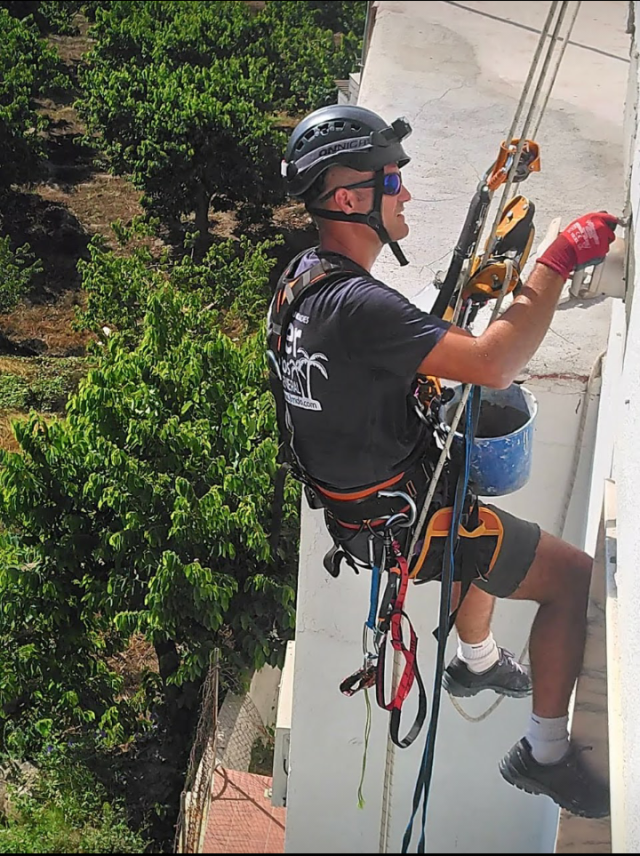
424	776
453	537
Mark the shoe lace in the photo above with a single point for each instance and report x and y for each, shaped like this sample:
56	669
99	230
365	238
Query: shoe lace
509	659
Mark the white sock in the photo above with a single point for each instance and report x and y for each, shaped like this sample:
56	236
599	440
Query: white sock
480	657
549	738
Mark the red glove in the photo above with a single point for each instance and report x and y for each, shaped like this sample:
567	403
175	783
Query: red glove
584	242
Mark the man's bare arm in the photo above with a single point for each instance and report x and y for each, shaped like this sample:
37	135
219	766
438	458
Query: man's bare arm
497	357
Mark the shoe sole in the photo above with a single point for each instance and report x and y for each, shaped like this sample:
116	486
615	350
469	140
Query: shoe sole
460	691
537	790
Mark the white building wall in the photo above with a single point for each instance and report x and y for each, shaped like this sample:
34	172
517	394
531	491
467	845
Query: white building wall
626	827
456	74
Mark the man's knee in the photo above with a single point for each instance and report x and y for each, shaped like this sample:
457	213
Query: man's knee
575	575
559	573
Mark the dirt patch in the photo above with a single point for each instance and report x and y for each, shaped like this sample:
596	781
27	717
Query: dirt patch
72	48
18	366
47	329
8	440
97	203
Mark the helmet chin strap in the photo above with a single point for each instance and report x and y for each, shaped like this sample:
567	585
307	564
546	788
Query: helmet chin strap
373	219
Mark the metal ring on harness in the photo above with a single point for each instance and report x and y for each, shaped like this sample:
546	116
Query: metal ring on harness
400	519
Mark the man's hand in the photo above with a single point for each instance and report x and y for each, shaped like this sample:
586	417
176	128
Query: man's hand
584	242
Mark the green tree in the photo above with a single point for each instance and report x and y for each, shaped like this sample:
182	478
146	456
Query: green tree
191	137
171	32
146	510
233	280
17	272
305	56
28	69
182	96
341	16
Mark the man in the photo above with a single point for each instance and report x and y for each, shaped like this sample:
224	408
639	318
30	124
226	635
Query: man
353	351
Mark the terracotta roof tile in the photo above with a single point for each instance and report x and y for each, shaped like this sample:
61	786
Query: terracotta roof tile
242	819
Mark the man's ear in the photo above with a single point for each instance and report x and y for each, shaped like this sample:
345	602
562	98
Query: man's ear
345	200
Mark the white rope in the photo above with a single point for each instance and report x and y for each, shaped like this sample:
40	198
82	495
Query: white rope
385	821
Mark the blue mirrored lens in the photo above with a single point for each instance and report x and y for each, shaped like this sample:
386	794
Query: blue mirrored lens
392	183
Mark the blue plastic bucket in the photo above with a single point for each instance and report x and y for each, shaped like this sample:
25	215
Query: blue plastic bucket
502	451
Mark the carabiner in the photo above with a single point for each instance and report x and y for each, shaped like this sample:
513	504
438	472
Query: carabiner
408	522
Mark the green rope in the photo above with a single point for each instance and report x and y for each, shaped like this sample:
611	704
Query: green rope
367	734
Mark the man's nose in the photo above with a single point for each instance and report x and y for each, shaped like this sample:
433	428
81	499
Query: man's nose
405	196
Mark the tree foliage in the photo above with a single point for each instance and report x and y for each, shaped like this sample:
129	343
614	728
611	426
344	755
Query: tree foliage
184	96
66	810
341	16
232	281
17	271
146	510
305	55
28	69
189	136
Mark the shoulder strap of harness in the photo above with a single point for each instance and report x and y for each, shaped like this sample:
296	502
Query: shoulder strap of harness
289	292
291	289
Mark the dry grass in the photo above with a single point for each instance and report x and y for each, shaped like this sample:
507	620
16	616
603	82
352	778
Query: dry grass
131	664
50	325
97	202
18	366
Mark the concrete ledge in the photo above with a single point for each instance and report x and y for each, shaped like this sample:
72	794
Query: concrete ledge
589	723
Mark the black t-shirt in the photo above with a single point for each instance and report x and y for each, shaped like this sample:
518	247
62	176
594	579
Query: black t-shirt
352	353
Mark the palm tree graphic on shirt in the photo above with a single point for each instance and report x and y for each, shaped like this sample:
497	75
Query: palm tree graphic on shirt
299	370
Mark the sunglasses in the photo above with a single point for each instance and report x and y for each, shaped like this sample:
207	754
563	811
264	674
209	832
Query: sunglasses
391	186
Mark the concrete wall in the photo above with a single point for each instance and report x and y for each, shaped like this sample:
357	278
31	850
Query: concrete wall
626	818
455	71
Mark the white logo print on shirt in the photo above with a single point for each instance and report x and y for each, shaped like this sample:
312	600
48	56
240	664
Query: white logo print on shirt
297	370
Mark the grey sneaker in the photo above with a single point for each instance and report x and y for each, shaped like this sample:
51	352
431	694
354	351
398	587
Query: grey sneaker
569	783
507	677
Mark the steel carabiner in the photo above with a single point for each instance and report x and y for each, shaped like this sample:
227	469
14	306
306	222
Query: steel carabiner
407	522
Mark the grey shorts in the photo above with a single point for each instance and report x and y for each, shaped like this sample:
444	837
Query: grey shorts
500	559
517	552
499	575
